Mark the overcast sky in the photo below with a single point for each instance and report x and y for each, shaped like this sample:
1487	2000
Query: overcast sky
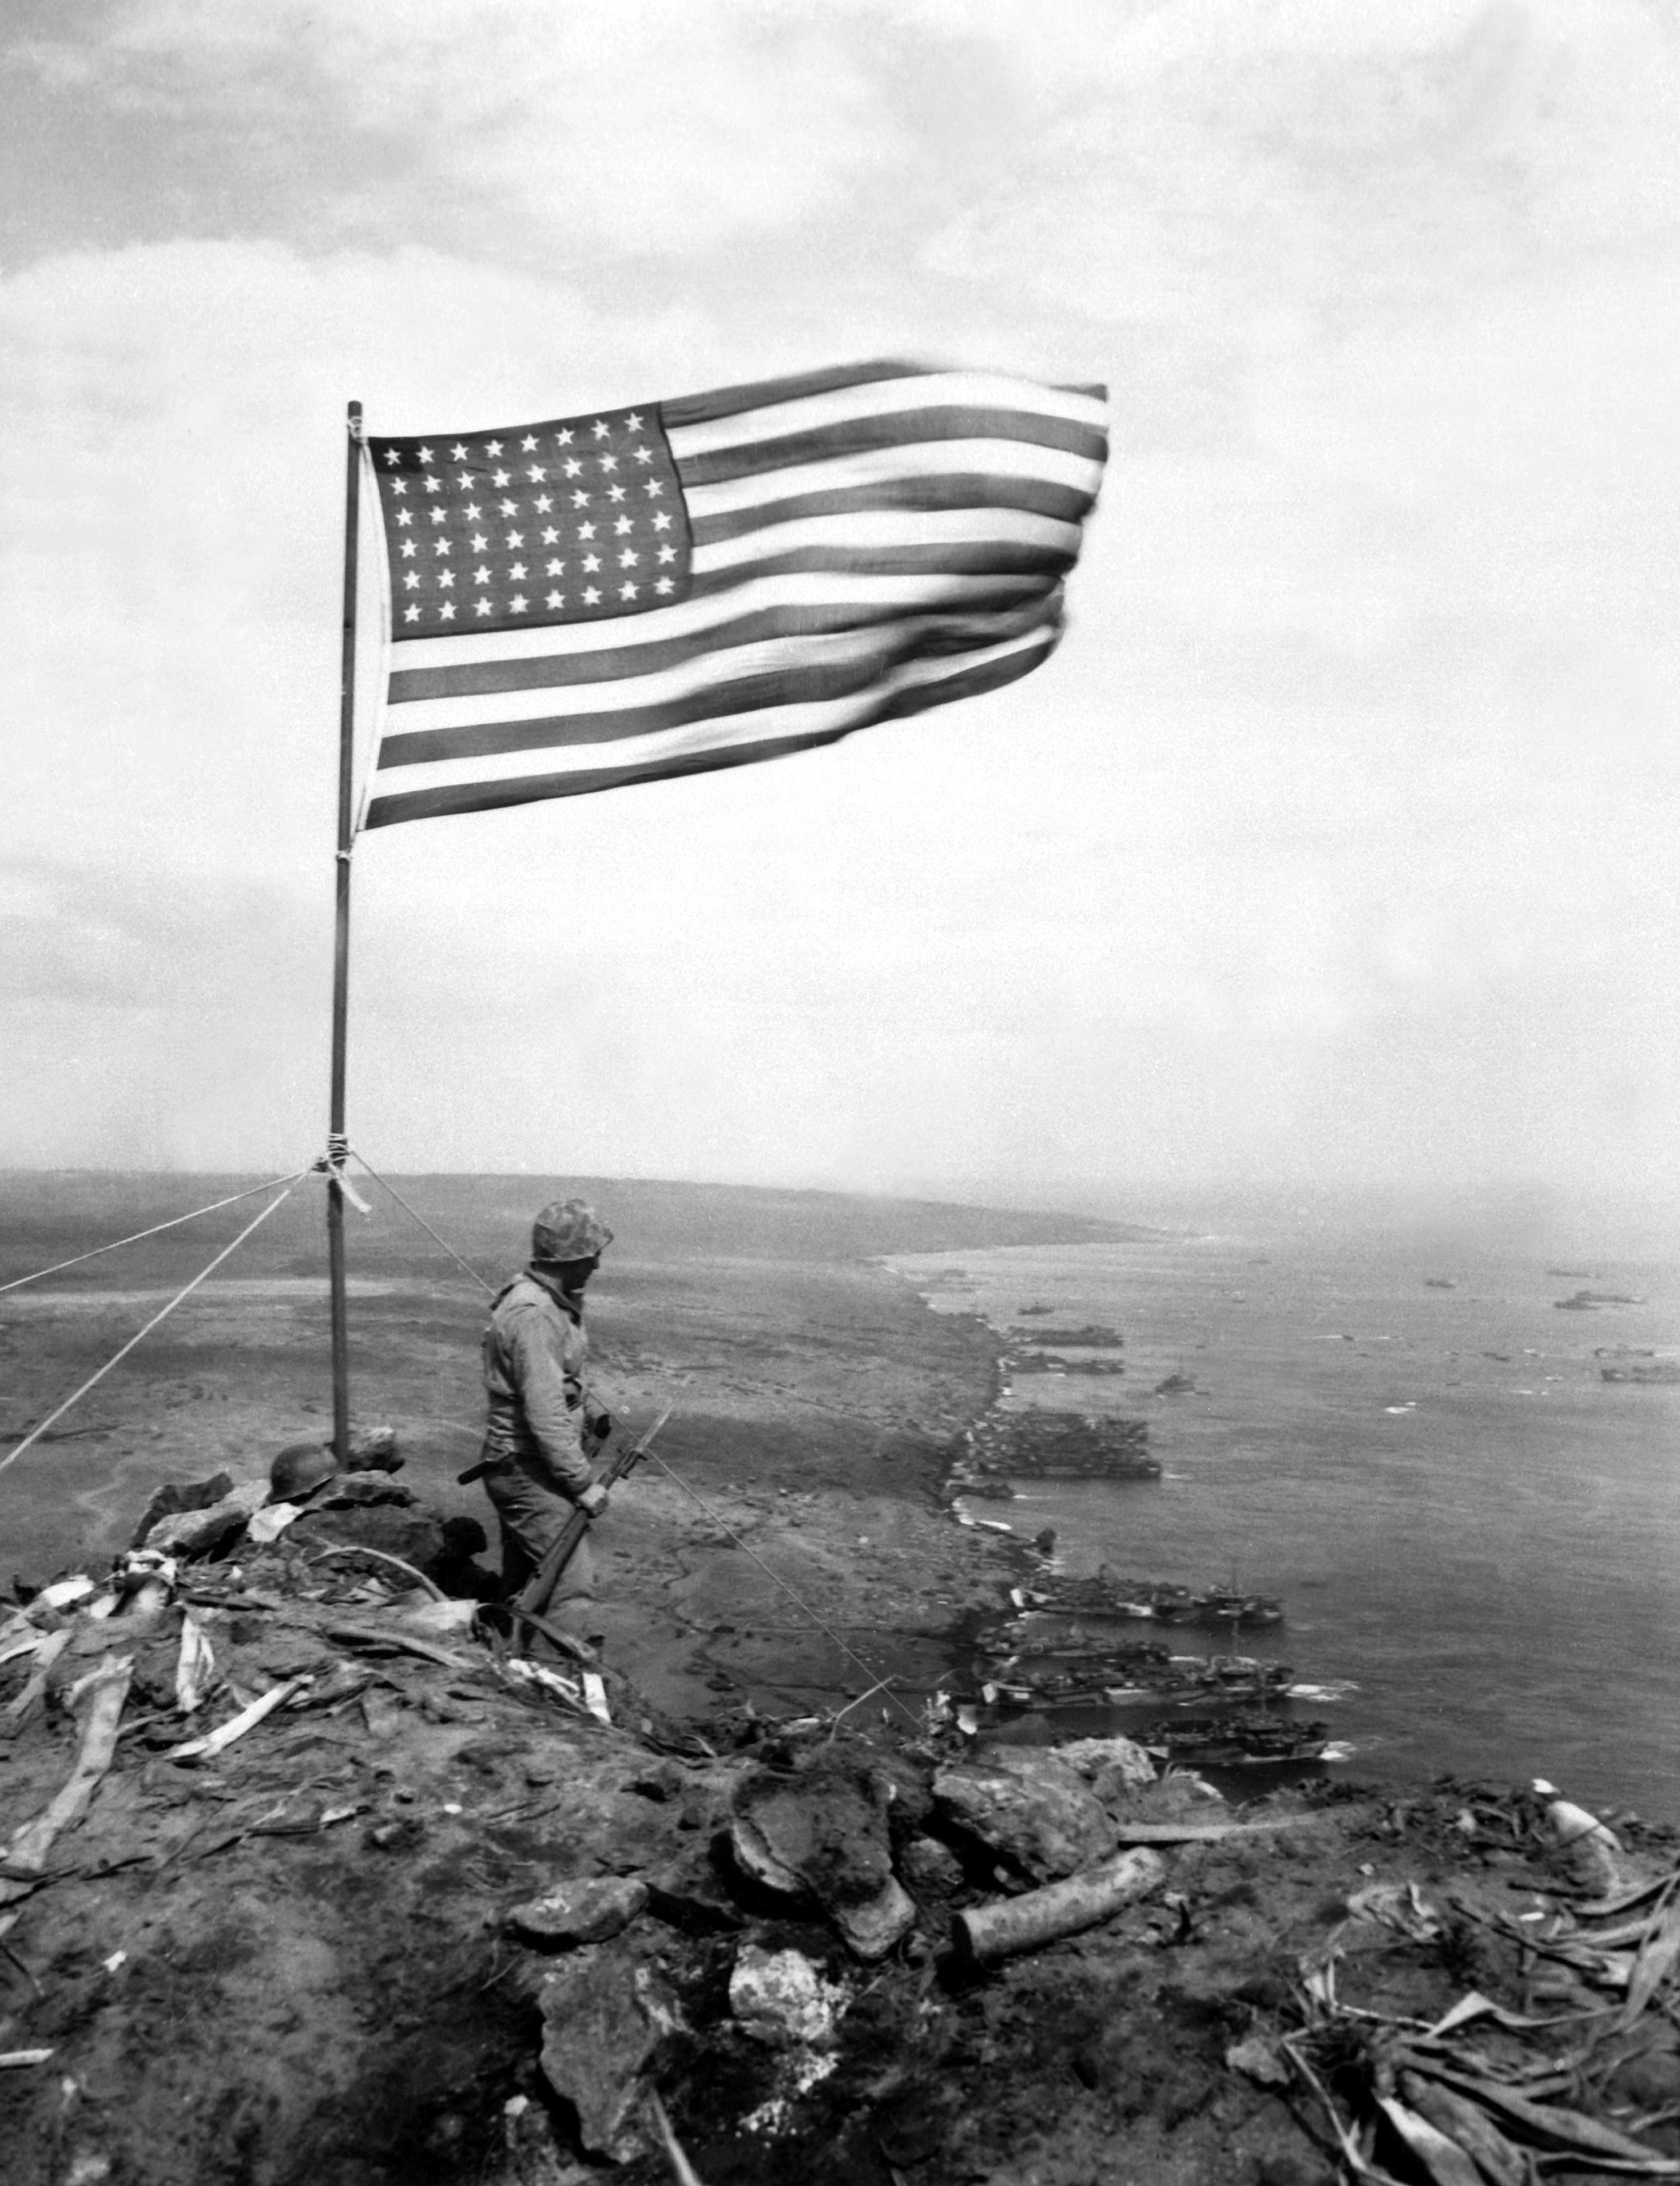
1340	838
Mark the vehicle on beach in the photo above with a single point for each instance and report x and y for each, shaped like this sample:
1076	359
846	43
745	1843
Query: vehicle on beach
1439	1283
1117	1682
1107	1595
1009	1643
979	1488
1095	1336
1052	1362
1661	1371
1235	1740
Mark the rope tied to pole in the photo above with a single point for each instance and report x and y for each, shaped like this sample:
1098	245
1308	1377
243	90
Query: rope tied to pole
443	1243
39	1429
330	1165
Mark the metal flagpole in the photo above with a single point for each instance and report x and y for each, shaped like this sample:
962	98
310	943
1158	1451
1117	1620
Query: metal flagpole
337	1144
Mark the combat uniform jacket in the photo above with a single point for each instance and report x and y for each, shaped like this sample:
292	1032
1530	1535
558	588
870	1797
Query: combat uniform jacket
535	1354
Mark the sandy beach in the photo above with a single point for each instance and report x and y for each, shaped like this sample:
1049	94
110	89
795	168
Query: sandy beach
324	1953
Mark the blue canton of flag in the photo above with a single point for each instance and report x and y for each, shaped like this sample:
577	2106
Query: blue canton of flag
569	521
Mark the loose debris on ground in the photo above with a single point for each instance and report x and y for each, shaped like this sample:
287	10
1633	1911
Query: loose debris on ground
305	1874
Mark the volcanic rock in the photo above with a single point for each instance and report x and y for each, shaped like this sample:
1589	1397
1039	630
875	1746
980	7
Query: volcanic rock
590	1908
1030	1809
824	1837
605	2015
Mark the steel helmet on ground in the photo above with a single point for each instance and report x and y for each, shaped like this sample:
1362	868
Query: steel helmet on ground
569	1230
298	1470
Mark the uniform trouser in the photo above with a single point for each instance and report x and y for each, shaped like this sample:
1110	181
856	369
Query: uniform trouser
533	1514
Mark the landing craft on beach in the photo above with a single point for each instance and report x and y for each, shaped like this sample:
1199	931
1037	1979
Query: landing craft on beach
1237	1741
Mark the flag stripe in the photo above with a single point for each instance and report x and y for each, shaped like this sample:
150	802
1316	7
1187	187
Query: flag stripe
871	467
862	532
905	562
458	666
976	392
743	680
554	672
756	394
918	428
760	394
723	743
1033	496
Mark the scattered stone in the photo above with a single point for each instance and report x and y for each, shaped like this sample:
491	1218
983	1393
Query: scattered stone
1030	1809
174	1497
382	1711
1258	2060
824	1837
373	1449
690	1892
355	1489
404	1833
605	2015
1111	1766
781	1999
663	1780
203	1530
590	1908
931	1868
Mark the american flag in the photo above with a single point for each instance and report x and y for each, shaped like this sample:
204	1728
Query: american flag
632	594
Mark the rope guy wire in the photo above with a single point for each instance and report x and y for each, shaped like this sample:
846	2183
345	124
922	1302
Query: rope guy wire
39	1429
489	1289
444	1246
156	1229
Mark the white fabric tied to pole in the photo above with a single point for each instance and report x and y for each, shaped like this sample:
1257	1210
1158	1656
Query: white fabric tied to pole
75	1396
331	1166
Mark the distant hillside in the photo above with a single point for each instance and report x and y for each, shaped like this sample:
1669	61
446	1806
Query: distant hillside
47	1214
749	1222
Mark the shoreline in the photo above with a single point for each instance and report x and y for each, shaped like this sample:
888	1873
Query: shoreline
1300	1461
318	1946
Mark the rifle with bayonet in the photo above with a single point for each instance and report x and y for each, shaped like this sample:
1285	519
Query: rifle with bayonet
534	1599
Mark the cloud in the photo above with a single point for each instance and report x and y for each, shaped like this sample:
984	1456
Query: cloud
1340	828
540	135
1223	158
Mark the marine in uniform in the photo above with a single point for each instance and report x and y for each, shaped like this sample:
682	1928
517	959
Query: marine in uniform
545	1427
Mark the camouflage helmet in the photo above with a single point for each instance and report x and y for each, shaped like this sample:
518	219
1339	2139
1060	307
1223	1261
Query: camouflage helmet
569	1230
298	1470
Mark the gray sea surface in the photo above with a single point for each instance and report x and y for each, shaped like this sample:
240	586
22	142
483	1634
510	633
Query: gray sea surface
1466	1521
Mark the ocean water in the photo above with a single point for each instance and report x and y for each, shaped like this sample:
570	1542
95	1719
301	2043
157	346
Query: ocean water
1466	1521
